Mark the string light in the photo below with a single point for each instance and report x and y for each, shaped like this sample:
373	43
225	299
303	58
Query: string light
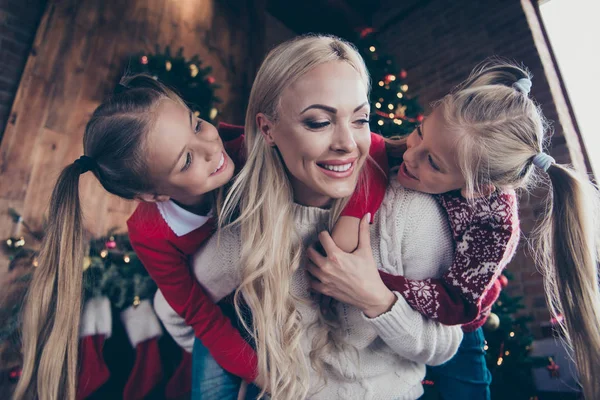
485	347
197	113
104	253
126	259
500	361
136	301
378	105
506	353
168	65
391	115
144	60
400	95
398	121
213	113
372	49
404	87
193	70
512	334
381	83
391	106
36	263
380	122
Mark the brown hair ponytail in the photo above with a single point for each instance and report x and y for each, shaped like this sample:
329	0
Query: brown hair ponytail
567	255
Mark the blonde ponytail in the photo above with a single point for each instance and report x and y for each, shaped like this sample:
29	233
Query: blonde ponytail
566	249
52	309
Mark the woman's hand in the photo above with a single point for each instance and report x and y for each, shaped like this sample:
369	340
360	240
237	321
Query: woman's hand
351	278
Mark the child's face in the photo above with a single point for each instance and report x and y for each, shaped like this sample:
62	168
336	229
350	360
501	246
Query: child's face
186	155
429	163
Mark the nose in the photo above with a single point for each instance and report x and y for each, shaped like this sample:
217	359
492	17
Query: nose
208	146
343	139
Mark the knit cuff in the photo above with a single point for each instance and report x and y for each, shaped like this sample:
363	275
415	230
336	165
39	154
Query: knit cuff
393	323
141	323
96	318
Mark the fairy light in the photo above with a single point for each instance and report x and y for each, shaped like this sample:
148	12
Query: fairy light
500	361
197	113
390	106
404	87
381	83
512	334
104	253
485	347
391	115
400	95
507	353
193	70
168	65
126	259
372	49
144	60
380	122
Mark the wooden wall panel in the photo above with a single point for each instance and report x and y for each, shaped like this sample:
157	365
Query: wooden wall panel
78	55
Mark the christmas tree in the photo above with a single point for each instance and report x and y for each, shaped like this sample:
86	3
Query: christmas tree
508	347
193	82
393	111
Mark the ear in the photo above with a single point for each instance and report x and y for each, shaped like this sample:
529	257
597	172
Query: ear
265	126
152	198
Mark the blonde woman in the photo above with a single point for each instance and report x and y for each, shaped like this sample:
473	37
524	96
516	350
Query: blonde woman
307	139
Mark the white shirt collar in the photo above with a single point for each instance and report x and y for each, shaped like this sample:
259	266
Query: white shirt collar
180	220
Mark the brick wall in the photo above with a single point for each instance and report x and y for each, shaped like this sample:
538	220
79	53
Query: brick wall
438	42
19	20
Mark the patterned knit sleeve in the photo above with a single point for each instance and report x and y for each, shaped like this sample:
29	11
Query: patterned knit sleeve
486	234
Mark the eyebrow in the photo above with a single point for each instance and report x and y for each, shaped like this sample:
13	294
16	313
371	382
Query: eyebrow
184	147
330	109
439	160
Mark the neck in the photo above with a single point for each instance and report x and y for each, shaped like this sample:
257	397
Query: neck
199	205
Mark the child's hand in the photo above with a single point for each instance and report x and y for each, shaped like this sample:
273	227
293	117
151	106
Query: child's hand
351	278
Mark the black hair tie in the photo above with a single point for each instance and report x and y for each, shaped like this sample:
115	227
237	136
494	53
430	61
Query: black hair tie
86	163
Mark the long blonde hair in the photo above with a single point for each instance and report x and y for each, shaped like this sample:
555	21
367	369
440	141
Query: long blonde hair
115	139
501	130
260	201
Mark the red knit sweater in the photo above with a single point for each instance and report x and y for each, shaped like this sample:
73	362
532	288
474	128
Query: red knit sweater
166	257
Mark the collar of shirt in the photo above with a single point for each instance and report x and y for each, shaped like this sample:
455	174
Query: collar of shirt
180	220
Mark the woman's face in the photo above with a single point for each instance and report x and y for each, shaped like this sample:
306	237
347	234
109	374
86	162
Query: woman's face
322	132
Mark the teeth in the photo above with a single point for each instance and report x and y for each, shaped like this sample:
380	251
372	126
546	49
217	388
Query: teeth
221	162
338	168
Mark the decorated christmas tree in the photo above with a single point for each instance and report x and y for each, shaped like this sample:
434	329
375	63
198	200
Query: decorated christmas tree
192	81
393	111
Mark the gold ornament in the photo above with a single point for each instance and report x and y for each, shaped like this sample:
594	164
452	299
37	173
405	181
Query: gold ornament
492	323
136	301
86	262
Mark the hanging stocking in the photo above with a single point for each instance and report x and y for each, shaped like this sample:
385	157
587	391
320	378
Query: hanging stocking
180	384
96	326
143	330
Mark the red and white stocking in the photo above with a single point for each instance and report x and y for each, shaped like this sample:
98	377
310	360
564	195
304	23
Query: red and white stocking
96	326
180	384
143	330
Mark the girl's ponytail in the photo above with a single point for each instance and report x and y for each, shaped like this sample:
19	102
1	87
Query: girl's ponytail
567	254
52	309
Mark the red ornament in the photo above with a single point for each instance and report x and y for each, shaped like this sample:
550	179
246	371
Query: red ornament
553	368
366	32
144	60
503	281
14	374
111	244
210	80
403	74
420	118
389	78
427	382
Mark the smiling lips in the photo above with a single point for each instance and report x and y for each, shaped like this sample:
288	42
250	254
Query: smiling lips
404	170
221	164
337	168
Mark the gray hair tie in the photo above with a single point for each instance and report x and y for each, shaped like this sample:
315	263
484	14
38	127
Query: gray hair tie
523	85
543	161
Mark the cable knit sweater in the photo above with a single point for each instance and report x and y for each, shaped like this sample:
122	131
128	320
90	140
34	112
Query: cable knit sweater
410	236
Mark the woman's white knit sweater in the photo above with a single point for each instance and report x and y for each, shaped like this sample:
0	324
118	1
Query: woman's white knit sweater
411	237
